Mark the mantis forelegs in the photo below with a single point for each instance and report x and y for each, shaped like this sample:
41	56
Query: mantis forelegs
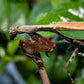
75	52
22	44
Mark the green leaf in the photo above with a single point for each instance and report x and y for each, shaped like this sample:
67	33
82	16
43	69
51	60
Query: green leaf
81	81
2	51
73	34
39	7
12	46
46	34
69	10
46	18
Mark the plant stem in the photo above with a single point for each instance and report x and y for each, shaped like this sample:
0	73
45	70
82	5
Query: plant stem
42	70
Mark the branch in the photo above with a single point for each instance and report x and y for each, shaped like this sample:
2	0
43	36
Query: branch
41	69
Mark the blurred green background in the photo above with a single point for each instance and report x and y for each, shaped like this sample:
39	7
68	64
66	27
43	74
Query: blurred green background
15	67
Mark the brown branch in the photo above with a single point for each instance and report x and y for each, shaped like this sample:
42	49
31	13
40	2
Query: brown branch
41	69
75	52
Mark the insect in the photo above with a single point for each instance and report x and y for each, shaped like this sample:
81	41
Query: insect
75	35
38	43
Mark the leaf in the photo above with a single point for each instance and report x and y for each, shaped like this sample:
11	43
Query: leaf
39	7
81	81
46	18
73	34
12	46
2	51
81	2
69	10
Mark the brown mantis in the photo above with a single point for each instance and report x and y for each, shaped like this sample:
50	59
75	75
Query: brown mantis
40	43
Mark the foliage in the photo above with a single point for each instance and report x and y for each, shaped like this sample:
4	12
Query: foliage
16	12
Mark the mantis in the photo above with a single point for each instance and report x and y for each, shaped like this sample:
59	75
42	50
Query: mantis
40	43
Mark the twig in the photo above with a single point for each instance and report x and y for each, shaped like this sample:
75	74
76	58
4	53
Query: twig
75	52
41	69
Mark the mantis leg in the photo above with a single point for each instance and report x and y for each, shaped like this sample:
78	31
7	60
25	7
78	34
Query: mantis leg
78	42
22	44
75	52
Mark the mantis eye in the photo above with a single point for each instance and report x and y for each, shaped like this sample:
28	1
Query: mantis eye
13	32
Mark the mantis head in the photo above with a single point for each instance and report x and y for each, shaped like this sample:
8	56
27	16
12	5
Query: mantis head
13	32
